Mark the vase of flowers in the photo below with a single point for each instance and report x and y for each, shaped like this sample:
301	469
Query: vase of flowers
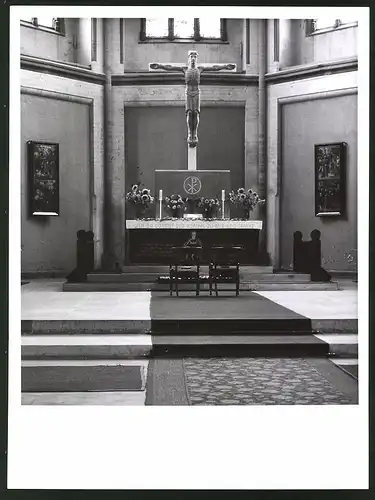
247	200
176	205
140	199
208	206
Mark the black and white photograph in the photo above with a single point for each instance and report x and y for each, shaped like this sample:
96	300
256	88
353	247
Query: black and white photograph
188	198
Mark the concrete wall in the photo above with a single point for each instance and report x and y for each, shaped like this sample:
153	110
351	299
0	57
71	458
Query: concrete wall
75	93
320	47
48	45
303	125
312	89
49	243
138	54
156	139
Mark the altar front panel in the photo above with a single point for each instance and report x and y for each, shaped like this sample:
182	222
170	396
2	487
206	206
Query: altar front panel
156	246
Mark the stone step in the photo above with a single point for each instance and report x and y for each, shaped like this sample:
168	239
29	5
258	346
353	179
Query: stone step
94	347
158	269
341	345
254	285
245	276
85	346
239	346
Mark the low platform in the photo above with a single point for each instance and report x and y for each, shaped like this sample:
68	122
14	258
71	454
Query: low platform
156	278
57	325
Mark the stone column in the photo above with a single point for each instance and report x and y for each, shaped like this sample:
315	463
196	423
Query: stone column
250	45
84	41
273	45
262	127
114	169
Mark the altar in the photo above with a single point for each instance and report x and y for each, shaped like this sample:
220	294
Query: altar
198	190
152	241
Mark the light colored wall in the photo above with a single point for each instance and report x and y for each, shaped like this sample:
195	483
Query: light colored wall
279	95
40	43
321	47
49	243
305	124
139	55
68	89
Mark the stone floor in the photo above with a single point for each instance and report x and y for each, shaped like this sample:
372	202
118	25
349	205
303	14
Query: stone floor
44	299
292	381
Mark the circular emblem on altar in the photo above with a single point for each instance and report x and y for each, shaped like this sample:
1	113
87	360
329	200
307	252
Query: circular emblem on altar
192	185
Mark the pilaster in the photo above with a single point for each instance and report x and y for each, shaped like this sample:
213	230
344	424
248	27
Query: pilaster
114	149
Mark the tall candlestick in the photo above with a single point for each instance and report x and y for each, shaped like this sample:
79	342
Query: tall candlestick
160	203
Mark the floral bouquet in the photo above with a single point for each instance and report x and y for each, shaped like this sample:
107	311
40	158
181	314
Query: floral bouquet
208	205
175	203
247	199
138	196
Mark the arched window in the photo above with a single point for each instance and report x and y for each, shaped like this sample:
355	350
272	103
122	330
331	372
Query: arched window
183	29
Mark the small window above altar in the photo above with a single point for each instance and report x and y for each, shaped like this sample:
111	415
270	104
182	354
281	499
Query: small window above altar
178	29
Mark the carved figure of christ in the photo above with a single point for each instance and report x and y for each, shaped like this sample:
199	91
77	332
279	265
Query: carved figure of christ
192	74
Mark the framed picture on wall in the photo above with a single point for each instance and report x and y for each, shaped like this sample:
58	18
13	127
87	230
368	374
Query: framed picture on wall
43	171
330	179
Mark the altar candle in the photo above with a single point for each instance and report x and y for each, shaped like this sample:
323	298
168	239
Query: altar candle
223	195
160	194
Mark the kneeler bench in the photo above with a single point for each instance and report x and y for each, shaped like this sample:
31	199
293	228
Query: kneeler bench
224	267
185	268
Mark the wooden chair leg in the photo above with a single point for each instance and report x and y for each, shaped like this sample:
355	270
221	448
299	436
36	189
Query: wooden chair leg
176	278
216	292
170	281
197	282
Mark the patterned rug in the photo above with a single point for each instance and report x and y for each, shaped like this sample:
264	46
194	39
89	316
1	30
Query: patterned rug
259	381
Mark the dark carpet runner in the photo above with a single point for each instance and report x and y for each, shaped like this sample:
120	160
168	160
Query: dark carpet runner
248	313
82	378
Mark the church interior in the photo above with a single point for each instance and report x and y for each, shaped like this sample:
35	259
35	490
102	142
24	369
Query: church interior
182	262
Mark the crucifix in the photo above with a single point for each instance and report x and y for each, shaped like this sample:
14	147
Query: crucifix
192	74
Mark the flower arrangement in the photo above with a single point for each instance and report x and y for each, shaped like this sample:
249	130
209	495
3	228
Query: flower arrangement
175	203
208	205
138	196
248	199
